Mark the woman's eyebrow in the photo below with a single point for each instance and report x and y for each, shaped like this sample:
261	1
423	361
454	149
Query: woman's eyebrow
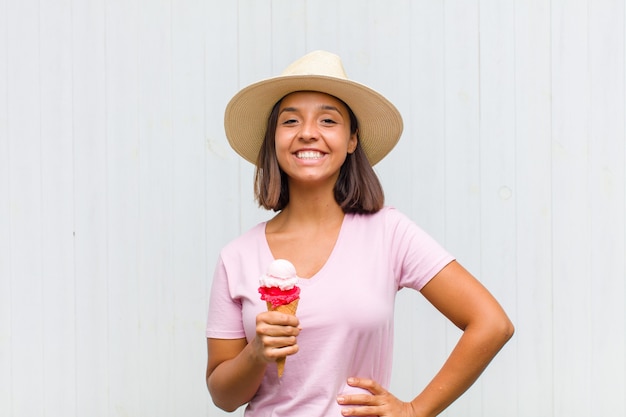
329	107
288	109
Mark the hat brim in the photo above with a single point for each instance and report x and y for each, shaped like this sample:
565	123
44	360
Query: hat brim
247	113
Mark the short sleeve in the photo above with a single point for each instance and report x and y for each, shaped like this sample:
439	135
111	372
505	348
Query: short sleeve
225	317
417	256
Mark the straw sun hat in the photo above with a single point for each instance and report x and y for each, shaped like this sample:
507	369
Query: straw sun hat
245	119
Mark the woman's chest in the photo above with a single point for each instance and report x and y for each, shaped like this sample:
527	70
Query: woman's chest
307	251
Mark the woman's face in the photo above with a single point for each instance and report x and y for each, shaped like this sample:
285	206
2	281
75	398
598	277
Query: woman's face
313	137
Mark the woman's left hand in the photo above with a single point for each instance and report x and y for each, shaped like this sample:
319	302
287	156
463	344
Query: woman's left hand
379	402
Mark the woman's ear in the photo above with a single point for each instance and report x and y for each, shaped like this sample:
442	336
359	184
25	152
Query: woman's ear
353	142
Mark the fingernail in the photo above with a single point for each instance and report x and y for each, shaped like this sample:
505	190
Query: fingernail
351	381
340	399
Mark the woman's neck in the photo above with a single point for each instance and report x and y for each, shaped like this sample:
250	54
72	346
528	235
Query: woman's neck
309	209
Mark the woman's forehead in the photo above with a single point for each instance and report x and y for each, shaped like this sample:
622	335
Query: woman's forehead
311	97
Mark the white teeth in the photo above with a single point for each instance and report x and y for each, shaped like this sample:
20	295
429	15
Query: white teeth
309	155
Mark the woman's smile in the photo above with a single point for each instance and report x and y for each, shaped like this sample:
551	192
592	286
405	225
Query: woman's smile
309	155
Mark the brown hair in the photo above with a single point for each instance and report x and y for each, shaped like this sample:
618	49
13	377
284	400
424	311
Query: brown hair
357	190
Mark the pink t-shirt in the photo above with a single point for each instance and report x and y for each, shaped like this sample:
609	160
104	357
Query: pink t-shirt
345	310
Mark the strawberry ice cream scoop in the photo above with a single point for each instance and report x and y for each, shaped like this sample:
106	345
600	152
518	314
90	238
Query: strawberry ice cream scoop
278	284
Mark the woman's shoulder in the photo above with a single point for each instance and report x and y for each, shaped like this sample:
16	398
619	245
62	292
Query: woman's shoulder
388	222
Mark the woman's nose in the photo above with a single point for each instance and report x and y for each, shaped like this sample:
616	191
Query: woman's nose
309	131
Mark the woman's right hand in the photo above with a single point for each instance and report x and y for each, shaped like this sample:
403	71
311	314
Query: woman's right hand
276	335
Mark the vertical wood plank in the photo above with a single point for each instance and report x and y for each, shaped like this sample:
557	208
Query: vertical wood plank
57	212
6	402
254	23
607	187
156	278
354	38
533	150
425	117
189	239
122	176
222	164
462	150
462	141
322	28
498	187
222	190
25	190
570	197
90	208
288	32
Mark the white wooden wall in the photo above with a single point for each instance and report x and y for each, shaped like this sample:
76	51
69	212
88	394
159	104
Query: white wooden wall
118	188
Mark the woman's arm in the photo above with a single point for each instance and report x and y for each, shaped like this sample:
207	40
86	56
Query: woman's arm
486	328
233	373
235	368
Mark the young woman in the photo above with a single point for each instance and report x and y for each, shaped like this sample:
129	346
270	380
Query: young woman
314	136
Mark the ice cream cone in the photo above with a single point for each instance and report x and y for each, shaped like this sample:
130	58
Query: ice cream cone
287	309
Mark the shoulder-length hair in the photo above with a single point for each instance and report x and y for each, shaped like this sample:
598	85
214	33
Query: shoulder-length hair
357	189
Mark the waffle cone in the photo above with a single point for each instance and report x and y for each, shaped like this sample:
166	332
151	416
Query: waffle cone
287	309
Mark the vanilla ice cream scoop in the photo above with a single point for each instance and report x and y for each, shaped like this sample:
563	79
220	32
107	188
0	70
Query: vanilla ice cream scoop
280	274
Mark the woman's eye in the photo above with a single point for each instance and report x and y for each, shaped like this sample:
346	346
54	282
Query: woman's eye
328	121
289	121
